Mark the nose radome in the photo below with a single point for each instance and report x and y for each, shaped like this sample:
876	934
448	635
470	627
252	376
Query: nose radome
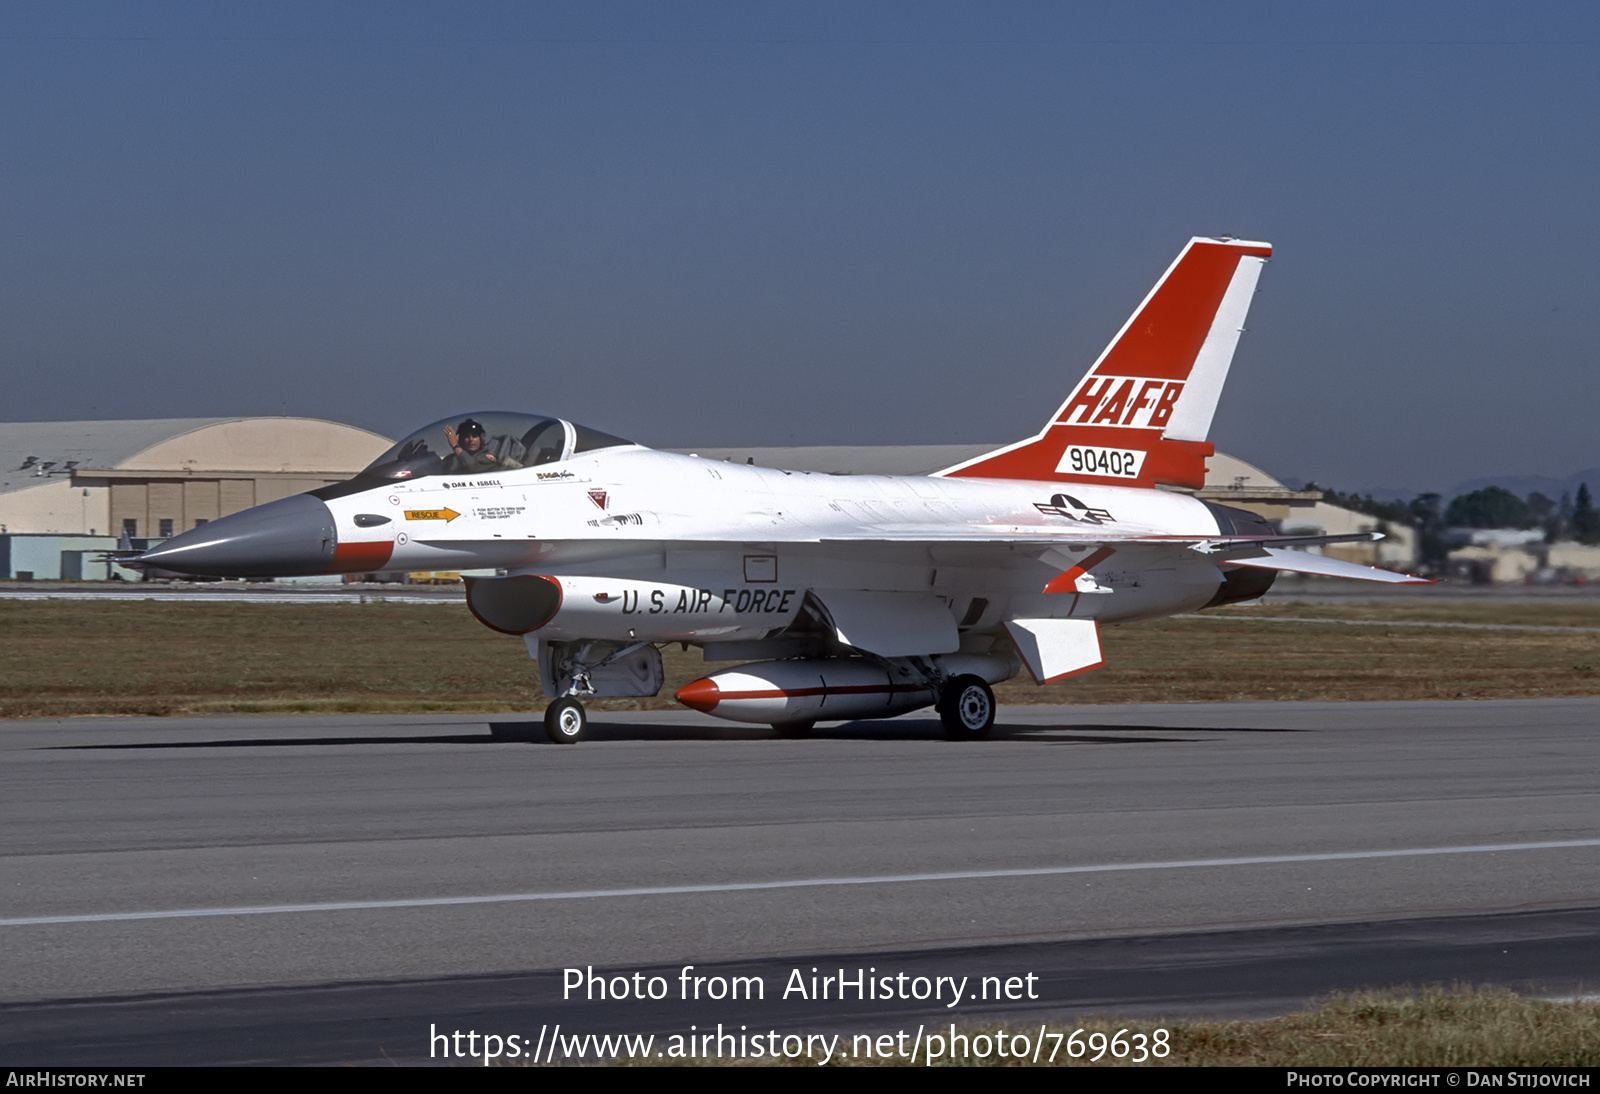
290	537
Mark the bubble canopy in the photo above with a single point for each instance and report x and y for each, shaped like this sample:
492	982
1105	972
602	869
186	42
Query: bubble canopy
484	442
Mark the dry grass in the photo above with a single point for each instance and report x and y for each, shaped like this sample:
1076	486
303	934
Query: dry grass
1204	658
1577	611
60	658
154	657
1433	1028
1436	1028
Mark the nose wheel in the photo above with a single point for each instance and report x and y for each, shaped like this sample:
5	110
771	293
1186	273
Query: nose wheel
966	707
565	721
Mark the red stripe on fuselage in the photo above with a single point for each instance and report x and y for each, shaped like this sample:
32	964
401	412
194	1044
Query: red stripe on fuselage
355	557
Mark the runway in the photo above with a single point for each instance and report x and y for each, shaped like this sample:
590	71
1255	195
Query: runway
1225	850
235	592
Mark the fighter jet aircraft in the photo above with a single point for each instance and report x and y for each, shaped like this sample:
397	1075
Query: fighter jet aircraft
848	597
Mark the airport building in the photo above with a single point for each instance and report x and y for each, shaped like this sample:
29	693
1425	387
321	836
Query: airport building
69	490
1518	556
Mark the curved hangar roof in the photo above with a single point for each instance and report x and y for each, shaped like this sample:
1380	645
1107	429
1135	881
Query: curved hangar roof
33	453
157	477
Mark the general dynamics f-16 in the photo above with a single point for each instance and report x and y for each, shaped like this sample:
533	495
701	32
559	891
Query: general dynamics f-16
858	596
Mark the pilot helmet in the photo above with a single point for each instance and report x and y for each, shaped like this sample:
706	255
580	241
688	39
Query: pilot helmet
469	428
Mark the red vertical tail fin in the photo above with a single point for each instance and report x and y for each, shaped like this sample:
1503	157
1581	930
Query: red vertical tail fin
1140	416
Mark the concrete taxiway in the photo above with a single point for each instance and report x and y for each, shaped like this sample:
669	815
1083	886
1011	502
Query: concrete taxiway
289	861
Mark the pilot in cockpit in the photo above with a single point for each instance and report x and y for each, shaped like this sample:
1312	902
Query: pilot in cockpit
474	453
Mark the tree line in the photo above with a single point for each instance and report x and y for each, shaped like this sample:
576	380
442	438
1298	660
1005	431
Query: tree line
1569	518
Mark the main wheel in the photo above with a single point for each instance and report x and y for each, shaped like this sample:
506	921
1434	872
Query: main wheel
565	721
792	729
966	707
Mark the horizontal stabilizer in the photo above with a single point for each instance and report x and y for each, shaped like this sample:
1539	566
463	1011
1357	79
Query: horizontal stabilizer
1054	648
1299	562
891	624
1231	543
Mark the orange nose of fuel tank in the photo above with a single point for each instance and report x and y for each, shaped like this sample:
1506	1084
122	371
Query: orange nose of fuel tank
702	695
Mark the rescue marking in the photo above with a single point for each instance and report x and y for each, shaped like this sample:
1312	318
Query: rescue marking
796	883
446	515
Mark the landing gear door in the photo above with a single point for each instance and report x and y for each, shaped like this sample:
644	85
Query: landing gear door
599	670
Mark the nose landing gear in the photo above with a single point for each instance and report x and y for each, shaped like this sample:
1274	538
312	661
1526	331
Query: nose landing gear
565	721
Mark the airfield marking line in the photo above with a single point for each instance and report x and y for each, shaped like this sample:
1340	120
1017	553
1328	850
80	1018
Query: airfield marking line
1394	623
799	883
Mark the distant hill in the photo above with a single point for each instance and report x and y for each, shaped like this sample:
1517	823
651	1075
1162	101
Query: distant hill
1379	493
1523	485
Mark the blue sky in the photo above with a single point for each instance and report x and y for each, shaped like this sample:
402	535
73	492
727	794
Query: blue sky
807	223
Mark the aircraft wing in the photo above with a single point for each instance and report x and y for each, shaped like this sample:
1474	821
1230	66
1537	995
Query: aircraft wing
980	546
1259	552
1204	544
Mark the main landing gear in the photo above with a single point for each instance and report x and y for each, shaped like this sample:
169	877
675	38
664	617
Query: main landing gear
565	721
966	707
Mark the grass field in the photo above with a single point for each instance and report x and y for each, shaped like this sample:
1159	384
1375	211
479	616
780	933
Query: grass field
1428	1029
1433	1028
60	658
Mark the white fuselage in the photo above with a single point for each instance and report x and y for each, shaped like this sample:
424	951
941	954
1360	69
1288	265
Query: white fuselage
657	546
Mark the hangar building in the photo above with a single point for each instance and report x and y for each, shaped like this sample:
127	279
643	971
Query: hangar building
80	485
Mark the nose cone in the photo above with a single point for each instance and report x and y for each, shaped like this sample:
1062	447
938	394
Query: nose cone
286	538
